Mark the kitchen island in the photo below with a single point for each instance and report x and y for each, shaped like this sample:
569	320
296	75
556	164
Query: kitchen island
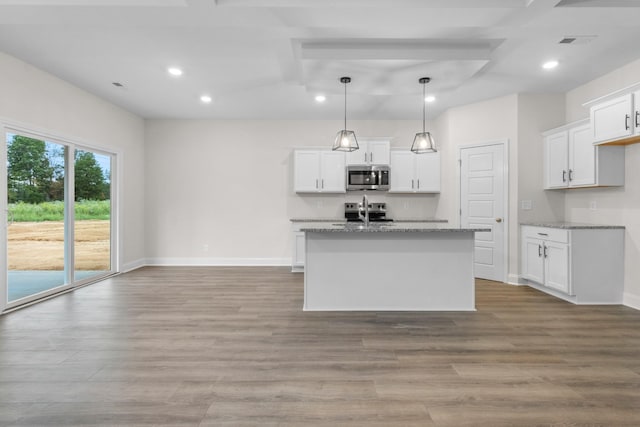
389	267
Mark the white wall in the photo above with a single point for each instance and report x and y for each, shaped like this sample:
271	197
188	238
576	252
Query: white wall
537	113
44	103
220	191
618	206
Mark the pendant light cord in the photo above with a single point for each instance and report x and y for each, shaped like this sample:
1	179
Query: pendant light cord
345	105
424	108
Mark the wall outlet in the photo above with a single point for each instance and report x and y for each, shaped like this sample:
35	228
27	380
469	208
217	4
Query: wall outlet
526	205
593	205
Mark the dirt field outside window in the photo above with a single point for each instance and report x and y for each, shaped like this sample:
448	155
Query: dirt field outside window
40	245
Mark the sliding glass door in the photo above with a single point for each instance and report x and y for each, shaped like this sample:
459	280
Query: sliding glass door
59	224
36	226
92	214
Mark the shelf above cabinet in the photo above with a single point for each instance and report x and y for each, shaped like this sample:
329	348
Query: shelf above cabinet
625	141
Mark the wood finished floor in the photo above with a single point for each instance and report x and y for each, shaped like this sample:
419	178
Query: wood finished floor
231	346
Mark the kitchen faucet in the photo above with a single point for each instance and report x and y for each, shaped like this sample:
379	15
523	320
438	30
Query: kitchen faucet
364	206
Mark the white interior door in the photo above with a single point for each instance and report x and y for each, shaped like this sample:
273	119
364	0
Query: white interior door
483	204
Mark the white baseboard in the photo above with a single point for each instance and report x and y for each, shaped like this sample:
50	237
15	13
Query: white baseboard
220	262
130	266
631	300
515	279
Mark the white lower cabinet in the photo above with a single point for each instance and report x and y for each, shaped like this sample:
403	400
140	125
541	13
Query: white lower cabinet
297	249
546	261
581	265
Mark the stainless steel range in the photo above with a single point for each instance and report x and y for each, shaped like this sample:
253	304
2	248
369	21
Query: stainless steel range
377	212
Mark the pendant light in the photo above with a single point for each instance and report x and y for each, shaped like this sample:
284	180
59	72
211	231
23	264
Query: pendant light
423	141
345	139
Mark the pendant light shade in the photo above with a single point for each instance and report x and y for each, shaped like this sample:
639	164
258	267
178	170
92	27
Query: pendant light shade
345	139
423	142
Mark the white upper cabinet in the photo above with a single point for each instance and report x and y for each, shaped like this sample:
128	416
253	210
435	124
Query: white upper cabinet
319	171
582	157
613	119
556	151
306	171
571	160
414	173
372	151
427	172
402	175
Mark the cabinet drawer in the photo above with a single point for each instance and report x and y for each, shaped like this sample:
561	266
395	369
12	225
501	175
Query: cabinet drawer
544	233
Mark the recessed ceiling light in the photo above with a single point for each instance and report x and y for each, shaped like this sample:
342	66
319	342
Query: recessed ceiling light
429	98
550	65
206	99
321	98
174	71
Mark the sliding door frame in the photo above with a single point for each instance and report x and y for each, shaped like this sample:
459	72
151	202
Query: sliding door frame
70	146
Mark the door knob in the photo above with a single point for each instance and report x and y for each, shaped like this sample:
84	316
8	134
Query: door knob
498	219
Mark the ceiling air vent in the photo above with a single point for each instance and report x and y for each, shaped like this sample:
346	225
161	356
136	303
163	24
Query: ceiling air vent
577	39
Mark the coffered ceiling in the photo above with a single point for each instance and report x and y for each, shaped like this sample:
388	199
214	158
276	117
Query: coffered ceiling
268	59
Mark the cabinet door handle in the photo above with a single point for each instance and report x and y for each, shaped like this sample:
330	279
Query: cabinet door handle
316	184
412	184
542	234
370	157
626	121
539	251
637	118
564	176
418	184
322	183
570	175
545	250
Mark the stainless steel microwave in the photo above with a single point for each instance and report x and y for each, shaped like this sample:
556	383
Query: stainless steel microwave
373	177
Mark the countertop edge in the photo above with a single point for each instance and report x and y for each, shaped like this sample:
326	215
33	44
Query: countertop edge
341	220
393	229
573	226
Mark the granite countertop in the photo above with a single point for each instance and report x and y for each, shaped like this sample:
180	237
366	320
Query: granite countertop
387	227
318	220
571	225
342	220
